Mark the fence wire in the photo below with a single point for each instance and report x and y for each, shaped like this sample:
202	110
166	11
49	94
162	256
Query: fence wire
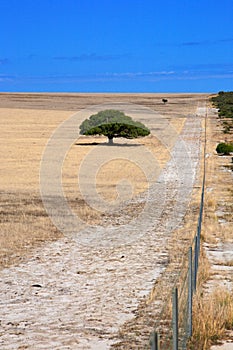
173	328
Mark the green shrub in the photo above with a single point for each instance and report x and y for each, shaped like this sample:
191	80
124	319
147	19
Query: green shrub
224	148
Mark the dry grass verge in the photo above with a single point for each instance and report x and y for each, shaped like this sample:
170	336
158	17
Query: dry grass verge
212	316
213	303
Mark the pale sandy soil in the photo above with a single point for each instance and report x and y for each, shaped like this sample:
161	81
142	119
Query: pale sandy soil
225	346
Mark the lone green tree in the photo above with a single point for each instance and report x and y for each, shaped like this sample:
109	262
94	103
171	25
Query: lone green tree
113	123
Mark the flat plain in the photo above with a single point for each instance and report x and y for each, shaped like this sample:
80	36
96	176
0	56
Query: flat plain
27	122
92	296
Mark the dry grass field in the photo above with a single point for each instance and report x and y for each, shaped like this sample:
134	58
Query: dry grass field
27	122
24	134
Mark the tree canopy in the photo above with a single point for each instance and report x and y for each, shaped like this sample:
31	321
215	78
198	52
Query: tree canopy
224	148
113	123
224	102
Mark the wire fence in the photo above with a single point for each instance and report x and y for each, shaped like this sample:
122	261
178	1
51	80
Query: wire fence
174	325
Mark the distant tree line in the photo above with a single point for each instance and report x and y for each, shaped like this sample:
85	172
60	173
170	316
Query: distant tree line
224	102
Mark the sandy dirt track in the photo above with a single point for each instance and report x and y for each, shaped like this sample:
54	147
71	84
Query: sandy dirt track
69	296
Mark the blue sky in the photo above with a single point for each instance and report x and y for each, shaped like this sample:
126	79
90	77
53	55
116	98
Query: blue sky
116	45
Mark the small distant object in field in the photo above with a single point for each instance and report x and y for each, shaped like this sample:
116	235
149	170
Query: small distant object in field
164	100
36	285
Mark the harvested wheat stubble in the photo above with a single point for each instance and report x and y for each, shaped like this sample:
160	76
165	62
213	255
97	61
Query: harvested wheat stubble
84	294
26	123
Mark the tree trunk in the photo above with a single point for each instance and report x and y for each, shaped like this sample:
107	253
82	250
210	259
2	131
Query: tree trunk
110	141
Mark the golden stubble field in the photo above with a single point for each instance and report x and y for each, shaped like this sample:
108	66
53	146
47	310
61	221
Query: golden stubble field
26	123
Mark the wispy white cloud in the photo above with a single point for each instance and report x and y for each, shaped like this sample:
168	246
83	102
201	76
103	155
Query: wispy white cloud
191	72
207	42
4	61
203	42
91	57
204	76
139	74
6	78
